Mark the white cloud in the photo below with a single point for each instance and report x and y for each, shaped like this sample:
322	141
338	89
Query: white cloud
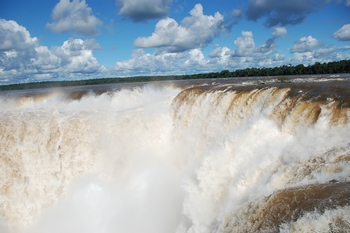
245	45
279	31
165	35
195	31
74	17
274	61
305	58
220	58
17	47
308	50
77	55
303	50
247	54
142	63
219	52
195	59
278	57
15	36
324	52
22	58
305	44
143	10
343	33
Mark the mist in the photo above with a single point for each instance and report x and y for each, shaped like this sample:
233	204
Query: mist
172	159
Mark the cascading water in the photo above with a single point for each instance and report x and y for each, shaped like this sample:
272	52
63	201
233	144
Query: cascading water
176	158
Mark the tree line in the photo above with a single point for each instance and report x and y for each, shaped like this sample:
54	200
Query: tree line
336	67
318	68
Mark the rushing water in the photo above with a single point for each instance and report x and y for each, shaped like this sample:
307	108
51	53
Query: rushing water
201	156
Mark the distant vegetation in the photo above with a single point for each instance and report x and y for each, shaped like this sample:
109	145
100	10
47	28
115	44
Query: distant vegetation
318	68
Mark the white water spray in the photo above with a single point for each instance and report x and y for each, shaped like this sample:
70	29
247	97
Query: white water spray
144	160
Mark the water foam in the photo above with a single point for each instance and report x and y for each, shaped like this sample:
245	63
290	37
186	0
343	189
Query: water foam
152	159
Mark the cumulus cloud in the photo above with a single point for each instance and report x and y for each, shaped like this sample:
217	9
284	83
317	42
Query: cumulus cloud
247	54
22	58
343	33
142	63
278	57
324	52
77	55
219	51
220	58
304	44
143	10
15	36
17	47
279	31
281	13
245	44
74	17
195	59
308	50
195	31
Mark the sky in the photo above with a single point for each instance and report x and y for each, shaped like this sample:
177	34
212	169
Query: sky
54	40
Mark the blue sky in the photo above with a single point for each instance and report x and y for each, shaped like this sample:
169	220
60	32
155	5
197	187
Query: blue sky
82	39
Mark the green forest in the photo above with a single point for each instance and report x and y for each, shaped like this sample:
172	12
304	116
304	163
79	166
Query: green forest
337	67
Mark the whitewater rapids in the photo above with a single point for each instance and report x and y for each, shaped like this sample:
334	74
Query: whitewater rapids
228	155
